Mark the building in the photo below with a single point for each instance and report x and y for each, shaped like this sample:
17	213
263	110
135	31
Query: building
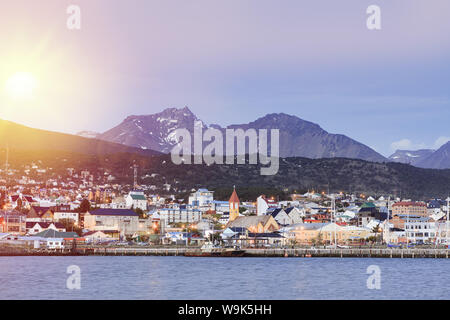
179	214
65	213
34	227
281	217
136	199
201	198
325	233
261	205
255	224
124	220
12	222
421	229
234	205
410	208
40	214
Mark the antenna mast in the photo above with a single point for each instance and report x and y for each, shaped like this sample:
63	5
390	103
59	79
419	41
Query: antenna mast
135	167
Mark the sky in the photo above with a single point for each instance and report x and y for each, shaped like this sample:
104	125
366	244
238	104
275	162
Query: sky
231	62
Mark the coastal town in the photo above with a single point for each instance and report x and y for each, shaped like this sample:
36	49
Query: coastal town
76	211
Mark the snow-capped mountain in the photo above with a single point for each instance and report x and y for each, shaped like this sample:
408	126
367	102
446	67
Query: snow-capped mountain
155	131
410	157
297	137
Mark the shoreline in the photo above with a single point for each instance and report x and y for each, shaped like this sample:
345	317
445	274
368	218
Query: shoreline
266	253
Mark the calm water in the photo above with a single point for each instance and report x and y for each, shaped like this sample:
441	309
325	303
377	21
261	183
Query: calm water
222	278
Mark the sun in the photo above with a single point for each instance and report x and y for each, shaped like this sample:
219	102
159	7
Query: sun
21	86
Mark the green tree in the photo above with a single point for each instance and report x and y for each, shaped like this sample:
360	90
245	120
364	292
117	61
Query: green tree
141	213
85	206
70	226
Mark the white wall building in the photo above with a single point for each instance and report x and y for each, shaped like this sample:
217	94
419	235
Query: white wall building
125	221
136	199
201	198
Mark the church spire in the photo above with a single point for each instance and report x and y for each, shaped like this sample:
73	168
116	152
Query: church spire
234	205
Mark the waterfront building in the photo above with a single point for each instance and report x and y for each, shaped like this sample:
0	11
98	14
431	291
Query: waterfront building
33	227
324	233
124	220
255	224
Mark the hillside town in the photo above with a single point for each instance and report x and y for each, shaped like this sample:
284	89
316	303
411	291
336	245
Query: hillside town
78	211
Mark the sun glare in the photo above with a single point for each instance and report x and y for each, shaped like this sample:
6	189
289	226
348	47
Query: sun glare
21	85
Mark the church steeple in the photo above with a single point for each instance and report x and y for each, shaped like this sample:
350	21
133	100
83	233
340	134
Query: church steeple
234	205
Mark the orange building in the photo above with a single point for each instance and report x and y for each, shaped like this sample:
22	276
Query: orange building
410	208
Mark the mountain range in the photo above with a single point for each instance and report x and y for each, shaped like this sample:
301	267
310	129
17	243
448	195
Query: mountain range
412	157
298	138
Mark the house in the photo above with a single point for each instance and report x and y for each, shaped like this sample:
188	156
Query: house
55	243
136	199
124	220
97	236
256	224
38	213
295	214
33	227
23	201
65	213
281	217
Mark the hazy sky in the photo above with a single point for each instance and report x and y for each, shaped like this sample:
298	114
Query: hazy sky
232	61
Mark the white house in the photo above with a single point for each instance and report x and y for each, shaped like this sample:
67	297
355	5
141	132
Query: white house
55	243
281	217
36	227
65	212
295	214
96	236
136	199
